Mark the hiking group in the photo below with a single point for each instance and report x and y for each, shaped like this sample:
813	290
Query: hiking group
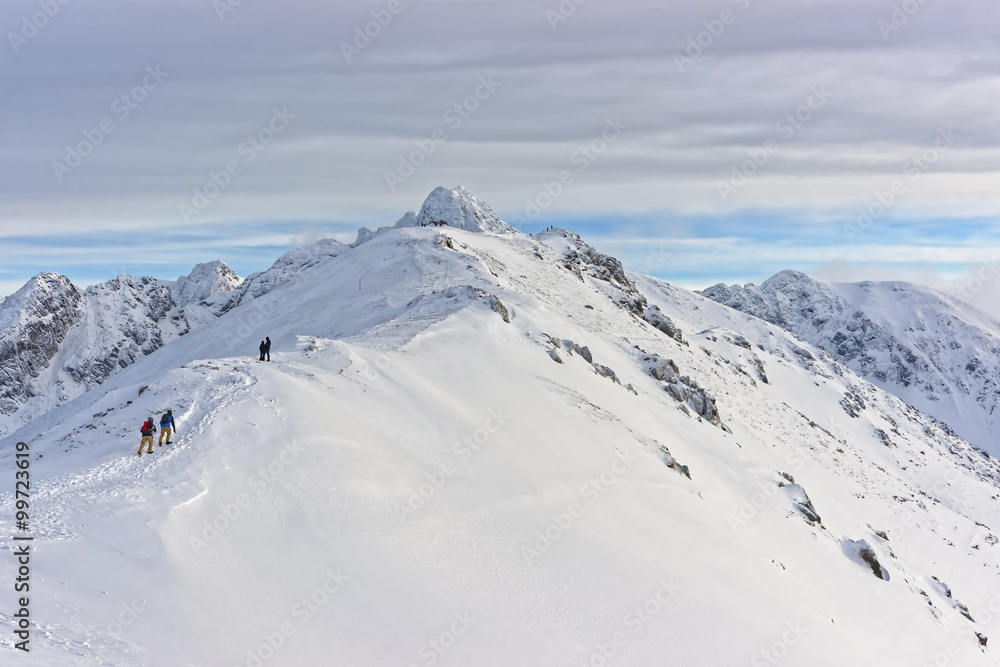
167	425
167	428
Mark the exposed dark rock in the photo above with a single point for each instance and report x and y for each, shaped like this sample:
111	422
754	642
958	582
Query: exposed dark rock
582	260
683	389
861	550
759	367
498	306
604	371
852	403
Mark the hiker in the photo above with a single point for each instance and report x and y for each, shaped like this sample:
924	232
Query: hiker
262	348
147	430
267	347
167	426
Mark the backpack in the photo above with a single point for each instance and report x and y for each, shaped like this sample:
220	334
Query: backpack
147	427
164	420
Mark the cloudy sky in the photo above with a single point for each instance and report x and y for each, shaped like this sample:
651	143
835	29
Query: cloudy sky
718	140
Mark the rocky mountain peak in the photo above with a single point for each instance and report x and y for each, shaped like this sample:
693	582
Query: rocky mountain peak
34	321
205	279
460	209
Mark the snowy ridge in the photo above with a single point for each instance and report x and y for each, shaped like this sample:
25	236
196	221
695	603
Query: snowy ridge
285	269
937	354
481	449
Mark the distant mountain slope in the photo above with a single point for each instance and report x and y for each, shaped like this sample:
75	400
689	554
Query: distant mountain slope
940	355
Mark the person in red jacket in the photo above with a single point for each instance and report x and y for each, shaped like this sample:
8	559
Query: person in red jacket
147	430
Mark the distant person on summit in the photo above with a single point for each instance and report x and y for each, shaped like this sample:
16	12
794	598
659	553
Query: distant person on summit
167	426
147	430
262	348
267	347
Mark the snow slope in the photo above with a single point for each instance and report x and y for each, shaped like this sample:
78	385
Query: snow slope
936	353
461	455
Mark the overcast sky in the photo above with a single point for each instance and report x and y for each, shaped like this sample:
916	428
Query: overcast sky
698	141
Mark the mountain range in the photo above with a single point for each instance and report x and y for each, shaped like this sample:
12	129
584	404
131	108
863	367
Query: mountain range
475	446
937	353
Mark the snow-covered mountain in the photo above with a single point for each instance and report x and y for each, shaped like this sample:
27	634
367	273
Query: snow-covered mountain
478	447
936	353
56	341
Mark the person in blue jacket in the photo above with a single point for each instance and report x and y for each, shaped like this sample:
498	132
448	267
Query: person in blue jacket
167	426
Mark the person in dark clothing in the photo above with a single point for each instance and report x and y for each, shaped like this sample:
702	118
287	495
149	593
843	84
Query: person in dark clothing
167	426
267	347
262	348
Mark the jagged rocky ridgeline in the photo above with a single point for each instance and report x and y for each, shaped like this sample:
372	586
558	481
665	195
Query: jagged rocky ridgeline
934	351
